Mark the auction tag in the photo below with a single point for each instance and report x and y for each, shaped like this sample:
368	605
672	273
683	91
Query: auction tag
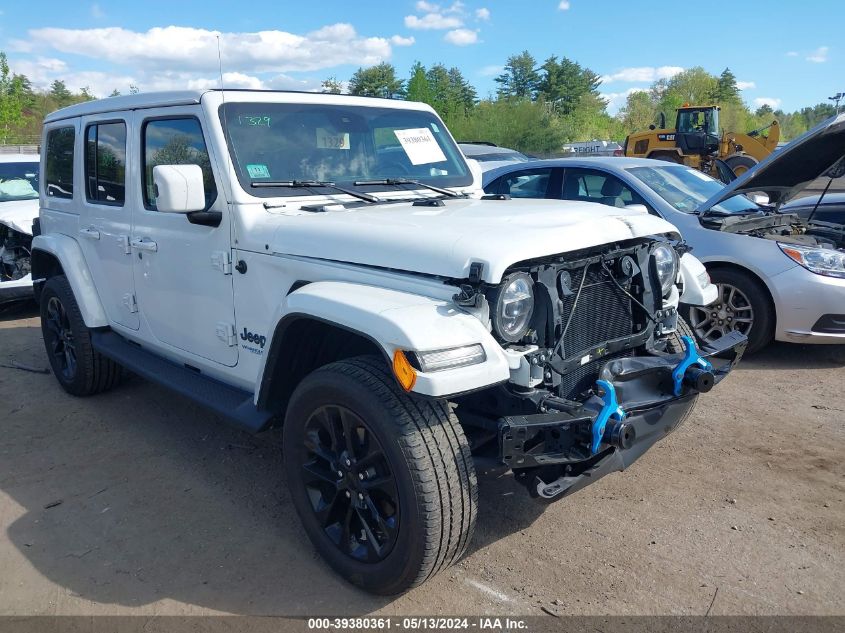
327	139
258	171
420	146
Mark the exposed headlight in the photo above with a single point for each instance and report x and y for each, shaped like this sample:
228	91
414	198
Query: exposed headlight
821	261
439	360
513	307
665	266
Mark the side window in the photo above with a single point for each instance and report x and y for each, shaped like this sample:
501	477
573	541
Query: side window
525	184
589	185
105	163
175	142
58	177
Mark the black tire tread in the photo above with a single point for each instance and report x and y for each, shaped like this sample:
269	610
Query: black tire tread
438	456
98	373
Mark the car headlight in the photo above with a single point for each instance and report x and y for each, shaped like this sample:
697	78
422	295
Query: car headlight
513	307
822	261
665	266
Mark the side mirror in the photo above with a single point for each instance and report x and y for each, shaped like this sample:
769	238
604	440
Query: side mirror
759	198
179	188
639	208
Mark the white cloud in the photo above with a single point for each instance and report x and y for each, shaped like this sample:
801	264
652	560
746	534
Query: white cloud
482	14
564	5
97	12
615	100
818	56
427	7
194	49
432	21
398	40
745	85
642	73
461	37
769	101
792	54
490	71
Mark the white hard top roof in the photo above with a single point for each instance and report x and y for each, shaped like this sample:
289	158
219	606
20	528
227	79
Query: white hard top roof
146	100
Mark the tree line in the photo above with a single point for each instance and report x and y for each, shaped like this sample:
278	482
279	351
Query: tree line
536	107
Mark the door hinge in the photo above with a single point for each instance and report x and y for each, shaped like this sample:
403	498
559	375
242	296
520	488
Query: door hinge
226	333
130	303
222	261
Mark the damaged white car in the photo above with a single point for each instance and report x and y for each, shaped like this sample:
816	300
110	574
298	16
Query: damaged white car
18	209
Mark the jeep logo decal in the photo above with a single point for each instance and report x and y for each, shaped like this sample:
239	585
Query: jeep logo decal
246	335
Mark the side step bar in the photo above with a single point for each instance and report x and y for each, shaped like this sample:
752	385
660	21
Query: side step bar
229	402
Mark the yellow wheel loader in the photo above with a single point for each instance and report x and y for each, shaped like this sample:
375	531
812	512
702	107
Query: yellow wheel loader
696	141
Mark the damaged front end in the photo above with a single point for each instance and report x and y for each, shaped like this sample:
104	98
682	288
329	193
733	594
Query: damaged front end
606	369
15	264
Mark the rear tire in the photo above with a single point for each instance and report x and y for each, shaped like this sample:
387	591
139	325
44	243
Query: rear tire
348	426
80	370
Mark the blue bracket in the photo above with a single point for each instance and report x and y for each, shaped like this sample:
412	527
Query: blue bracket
610	409
691	357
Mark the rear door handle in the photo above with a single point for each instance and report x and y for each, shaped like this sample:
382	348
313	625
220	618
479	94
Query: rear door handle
143	244
91	233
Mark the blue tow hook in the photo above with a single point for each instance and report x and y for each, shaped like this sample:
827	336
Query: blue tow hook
691	359
611	409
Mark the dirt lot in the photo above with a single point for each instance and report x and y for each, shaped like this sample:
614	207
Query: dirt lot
137	501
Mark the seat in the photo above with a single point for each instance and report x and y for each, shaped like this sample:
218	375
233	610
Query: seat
611	193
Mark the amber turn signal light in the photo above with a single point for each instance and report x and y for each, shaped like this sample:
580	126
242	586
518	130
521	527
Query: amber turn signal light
405	374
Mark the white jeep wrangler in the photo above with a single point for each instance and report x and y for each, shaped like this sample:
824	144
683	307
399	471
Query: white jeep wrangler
329	263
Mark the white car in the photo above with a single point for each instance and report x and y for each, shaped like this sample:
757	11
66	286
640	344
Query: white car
778	277
328	263
18	210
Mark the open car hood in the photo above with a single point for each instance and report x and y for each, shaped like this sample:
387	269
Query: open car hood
18	215
784	174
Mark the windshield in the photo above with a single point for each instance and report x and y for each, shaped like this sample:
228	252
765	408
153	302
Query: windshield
514	157
690	121
686	189
277	142
18	181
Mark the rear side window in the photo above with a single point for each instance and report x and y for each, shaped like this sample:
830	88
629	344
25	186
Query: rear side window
525	184
105	163
58	179
175	142
595	186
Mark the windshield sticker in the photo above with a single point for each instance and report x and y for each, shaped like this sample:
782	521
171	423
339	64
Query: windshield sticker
254	121
258	171
420	146
328	139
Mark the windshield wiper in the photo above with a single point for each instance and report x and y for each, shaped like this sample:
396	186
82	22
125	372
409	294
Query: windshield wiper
407	181
296	184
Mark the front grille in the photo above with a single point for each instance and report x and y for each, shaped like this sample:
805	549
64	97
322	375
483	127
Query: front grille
603	313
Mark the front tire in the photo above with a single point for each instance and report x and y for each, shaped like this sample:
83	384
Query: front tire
79	368
741	164
382	480
743	305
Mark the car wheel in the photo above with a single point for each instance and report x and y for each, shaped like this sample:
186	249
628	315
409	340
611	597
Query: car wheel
382	480
742	306
741	164
80	370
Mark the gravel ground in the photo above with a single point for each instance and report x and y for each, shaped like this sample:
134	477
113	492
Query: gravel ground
139	502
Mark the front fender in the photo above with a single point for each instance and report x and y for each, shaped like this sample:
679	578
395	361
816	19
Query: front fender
69	255
696	292
409	322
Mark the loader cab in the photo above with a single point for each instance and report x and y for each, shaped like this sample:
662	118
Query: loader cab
697	130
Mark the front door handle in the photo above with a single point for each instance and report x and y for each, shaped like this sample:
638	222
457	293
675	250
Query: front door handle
143	244
91	233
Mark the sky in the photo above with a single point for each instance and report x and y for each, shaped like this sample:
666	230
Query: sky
785	54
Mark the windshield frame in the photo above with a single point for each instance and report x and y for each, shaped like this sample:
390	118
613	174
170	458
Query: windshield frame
747	206
23	165
442	135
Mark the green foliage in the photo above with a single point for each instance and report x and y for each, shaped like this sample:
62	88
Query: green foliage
520	78
331	85
15	100
60	94
418	87
726	89
563	84
639	111
377	81
517	123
